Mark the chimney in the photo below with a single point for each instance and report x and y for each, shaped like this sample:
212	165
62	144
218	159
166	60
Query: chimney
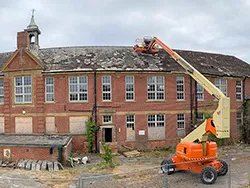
22	40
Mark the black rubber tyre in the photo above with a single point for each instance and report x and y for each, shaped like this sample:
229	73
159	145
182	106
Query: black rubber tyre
224	168
167	166
208	175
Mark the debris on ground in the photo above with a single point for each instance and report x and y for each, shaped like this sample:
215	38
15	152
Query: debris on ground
130	154
78	160
38	165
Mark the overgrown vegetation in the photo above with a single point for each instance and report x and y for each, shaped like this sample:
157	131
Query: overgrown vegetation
245	128
206	112
107	156
207	115
91	131
219	141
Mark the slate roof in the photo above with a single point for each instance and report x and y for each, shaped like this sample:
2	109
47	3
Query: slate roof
122	58
34	140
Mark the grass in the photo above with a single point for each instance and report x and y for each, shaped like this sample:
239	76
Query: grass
159	153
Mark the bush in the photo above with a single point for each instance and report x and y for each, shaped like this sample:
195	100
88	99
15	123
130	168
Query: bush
220	142
245	128
107	156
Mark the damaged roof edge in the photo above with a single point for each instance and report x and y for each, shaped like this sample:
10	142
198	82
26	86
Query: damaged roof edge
33	145
124	59
135	71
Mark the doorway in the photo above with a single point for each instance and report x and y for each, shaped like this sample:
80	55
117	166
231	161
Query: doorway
107	134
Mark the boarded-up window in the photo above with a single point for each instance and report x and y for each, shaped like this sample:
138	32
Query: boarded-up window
1	124
78	124
130	121
50	125
156	126
23	125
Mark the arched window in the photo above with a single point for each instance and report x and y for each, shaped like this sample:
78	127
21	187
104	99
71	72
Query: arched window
32	39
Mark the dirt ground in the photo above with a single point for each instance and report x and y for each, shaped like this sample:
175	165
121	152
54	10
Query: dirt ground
141	171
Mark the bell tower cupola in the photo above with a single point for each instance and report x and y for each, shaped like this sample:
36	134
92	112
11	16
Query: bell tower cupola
33	34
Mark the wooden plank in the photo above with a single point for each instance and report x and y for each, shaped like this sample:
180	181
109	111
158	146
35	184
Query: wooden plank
28	165
38	165
44	165
21	164
33	164
129	154
50	166
56	167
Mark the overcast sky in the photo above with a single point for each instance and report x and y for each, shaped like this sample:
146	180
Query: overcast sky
221	26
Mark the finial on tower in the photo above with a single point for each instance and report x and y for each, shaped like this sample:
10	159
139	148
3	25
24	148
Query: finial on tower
33	12
32	24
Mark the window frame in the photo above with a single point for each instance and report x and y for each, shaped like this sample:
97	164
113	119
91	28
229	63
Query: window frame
220	85
78	88
201	92
107	92
238	93
49	93
129	92
239	118
181	121
200	119
155	84
23	93
109	122
156	121
2	88
130	123
180	92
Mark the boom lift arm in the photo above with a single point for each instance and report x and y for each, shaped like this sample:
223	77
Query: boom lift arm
195	153
219	124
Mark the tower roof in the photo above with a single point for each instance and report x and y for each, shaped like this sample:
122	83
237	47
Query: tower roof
32	24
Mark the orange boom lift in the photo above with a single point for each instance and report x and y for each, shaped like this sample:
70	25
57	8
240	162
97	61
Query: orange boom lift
195	152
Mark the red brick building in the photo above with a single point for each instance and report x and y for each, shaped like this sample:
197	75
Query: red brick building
138	100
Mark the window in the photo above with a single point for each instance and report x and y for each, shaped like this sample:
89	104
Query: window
49	89
1	92
181	121
239	119
180	94
130	120
129	88
156	88
221	84
156	120
106	88
23	89
238	90
200	117
107	119
200	92
78	88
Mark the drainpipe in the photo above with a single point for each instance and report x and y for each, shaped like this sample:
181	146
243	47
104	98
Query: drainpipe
95	110
191	101
244	109
196	101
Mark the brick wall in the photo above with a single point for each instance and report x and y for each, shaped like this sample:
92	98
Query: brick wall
33	153
62	109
